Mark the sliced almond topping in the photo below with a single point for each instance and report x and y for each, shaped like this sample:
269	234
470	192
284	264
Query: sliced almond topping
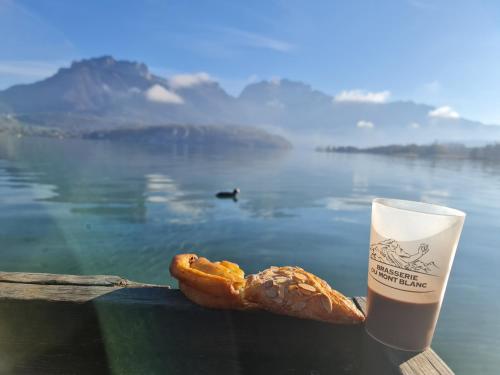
307	287
300	277
281	279
292	287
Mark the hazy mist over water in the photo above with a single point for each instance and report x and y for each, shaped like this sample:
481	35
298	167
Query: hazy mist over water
86	207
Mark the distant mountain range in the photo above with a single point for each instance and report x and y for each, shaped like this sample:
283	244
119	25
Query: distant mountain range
214	136
103	93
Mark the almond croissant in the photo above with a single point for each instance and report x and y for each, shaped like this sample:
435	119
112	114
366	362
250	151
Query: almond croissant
282	290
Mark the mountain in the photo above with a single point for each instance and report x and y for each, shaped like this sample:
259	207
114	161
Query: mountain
86	86
305	112
194	135
104	93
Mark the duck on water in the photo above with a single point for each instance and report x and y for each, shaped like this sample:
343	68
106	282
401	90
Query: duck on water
228	194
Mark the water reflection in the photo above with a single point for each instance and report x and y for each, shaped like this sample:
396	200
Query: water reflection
435	196
24	184
161	190
360	183
351	203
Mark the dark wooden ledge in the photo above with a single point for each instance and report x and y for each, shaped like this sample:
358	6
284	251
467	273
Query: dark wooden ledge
58	324
56	279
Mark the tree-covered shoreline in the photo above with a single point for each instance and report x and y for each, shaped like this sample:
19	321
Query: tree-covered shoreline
434	150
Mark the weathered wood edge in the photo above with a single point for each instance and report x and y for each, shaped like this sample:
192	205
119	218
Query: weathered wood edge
56	279
20	286
23	286
424	363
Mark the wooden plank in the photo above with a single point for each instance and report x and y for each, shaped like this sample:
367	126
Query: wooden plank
42	337
146	295
410	363
107	324
55	279
427	362
61	293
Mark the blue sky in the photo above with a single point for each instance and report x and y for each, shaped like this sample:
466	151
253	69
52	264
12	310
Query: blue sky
444	53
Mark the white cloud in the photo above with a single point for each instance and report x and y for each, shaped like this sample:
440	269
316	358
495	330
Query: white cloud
362	96
189	80
365	124
157	93
30	69
25	33
249	39
414	125
444	112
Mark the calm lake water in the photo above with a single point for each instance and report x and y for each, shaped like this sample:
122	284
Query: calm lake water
84	207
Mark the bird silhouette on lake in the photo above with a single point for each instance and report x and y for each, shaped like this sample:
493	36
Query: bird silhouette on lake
228	194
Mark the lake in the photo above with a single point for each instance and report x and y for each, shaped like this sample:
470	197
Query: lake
90	207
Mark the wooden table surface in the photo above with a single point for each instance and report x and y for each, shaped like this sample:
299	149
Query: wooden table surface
64	324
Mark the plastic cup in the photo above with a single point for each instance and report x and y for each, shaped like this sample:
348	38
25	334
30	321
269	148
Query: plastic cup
412	246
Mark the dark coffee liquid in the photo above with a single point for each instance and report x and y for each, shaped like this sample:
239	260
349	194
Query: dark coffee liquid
406	326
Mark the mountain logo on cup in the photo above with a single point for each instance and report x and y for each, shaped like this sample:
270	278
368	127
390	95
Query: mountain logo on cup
390	252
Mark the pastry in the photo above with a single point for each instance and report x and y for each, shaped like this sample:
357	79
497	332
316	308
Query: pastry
281	290
210	284
295	292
